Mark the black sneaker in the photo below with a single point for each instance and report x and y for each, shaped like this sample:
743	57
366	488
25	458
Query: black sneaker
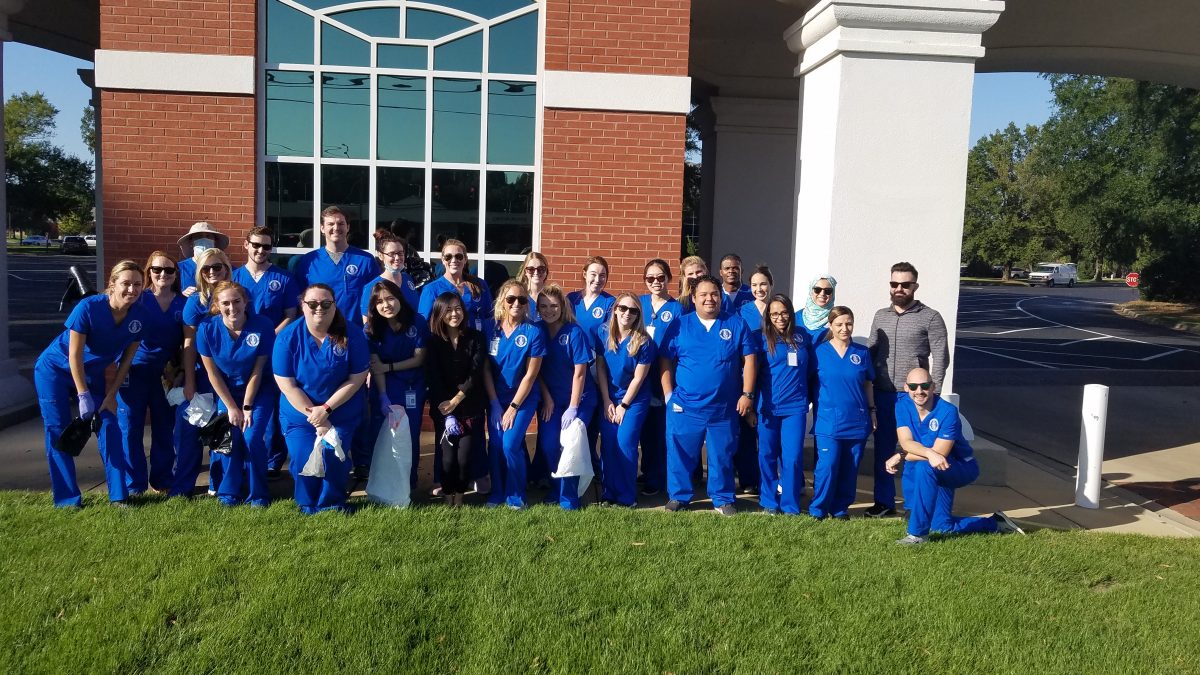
1006	525
675	505
649	490
274	474
362	472
726	510
880	511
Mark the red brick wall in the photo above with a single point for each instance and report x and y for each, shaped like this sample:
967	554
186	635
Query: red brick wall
169	161
618	36
612	184
181	26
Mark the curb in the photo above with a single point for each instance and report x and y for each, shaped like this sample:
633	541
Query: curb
10	417
1155	320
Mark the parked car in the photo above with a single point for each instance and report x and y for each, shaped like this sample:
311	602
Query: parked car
1054	274
90	239
74	244
1018	273
35	240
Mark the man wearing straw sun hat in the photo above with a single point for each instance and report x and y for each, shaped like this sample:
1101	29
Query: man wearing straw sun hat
201	237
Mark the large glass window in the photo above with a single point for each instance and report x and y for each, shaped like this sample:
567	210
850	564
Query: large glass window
415	116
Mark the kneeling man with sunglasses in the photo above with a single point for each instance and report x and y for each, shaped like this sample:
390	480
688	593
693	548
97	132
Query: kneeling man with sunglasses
937	461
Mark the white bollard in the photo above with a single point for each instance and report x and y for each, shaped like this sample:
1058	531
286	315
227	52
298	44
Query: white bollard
1091	446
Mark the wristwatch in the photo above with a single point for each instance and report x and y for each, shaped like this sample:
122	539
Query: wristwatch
624	405
514	405
748	394
248	408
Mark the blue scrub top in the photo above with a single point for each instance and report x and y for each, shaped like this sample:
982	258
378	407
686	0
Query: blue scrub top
783	376
411	295
708	363
186	270
479	309
162	330
106	339
400	346
621	366
566	349
320	369
347	277
941	422
753	318
842	410
195	311
274	293
731	303
591	318
509	357
815	335
235	358
658	322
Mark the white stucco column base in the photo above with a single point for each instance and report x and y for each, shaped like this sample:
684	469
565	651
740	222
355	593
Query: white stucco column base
755	173
886	115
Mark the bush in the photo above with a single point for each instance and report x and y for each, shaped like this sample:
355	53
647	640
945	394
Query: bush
1170	275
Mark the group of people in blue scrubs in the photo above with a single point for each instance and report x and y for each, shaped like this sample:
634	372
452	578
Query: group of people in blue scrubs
308	364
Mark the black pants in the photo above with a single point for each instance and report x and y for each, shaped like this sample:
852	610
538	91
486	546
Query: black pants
456	451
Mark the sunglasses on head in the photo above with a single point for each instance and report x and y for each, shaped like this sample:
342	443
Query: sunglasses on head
448	257
924	386
260	247
902	284
155	269
656	278
817	290
516	299
632	310
213	269
318	304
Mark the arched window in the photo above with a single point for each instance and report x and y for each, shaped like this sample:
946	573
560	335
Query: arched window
419	117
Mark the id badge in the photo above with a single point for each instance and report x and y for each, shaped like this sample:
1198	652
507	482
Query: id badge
650	331
494	348
793	359
478	324
410	399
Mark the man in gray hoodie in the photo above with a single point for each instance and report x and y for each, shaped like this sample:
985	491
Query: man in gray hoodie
906	334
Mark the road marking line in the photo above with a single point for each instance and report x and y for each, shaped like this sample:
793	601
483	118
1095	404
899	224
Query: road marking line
1007	318
1159	356
1005	332
1091	339
1004	356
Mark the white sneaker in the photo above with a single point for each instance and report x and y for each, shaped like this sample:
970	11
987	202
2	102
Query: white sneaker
912	540
483	486
1006	525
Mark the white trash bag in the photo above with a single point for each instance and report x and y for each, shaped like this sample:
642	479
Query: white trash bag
391	462
201	410
314	467
576	458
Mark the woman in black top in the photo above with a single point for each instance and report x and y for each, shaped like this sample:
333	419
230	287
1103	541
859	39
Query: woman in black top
454	358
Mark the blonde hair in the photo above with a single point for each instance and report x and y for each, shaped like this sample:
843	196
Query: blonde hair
227	285
532	255
498	312
685	284
123	266
637	332
203	288
555	291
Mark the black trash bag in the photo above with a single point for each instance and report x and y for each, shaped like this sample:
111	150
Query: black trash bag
76	435
217	434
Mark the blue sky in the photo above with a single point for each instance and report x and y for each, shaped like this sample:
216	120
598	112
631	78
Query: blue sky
1000	98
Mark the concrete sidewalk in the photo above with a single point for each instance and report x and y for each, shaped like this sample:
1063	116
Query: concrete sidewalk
1038	495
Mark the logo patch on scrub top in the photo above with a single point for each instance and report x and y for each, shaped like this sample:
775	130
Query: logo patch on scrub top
339	350
855	359
410	285
179	316
934	425
274	285
412	332
598	312
563	339
521	341
135	326
666	317
252	339
351	269
725	333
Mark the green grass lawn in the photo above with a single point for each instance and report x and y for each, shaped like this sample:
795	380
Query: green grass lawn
190	587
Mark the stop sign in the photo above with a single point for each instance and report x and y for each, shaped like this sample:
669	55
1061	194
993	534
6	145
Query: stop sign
1131	279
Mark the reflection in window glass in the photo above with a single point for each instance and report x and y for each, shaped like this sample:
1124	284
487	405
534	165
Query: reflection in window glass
339	48
409	57
456	120
286	29
488	9
401	203
376	22
348	187
345	115
465	53
289	113
511	115
513	46
401	106
320	4
456	207
509	214
289	203
423	25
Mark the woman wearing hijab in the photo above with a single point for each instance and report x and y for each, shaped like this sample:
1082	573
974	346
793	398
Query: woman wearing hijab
815	316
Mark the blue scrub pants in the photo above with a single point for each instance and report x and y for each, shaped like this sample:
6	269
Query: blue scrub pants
57	400
415	414
685	436
276	445
929	496
619	454
245	475
654	447
143	389
314	495
835	476
745	462
189	455
563	491
885	446
506	450
781	461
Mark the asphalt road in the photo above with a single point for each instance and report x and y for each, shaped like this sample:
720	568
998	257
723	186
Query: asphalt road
35	287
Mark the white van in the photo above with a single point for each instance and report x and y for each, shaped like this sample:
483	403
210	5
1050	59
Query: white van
1053	274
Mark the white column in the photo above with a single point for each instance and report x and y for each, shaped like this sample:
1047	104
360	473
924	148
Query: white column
754	176
886	115
14	389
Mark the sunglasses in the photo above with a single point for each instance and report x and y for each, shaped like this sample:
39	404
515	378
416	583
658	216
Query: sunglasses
817	290
212	269
155	269
656	278
448	257
902	284
318	304
535	270
632	310
260	247
924	386
516	300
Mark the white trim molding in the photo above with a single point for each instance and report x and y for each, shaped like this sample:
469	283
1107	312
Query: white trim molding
617	91
161	71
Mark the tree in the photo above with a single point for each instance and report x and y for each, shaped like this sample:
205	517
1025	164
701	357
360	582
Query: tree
44	183
28	119
87	128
